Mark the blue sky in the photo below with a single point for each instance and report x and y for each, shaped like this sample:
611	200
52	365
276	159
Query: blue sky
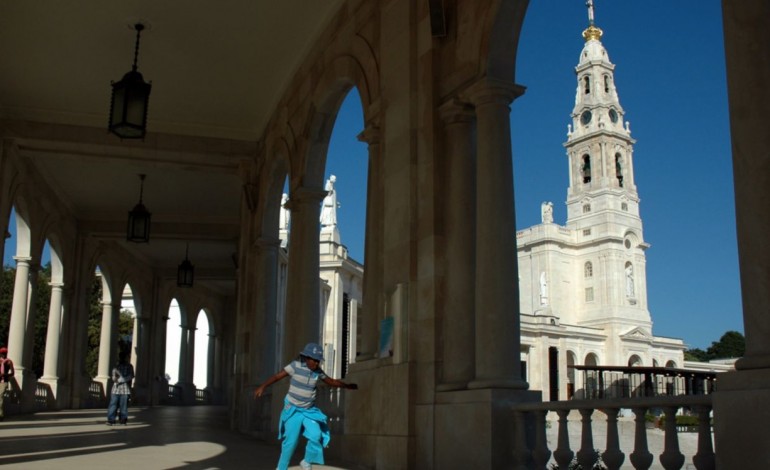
670	77
671	82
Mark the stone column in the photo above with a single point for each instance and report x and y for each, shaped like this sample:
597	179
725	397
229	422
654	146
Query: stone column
457	325
212	365
741	402
184	339
220	364
263	338
372	289
190	372
134	339
29	342
17	334
302	297
105	344
51	364
498	364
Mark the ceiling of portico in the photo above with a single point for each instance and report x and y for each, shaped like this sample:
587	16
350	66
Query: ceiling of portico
217	70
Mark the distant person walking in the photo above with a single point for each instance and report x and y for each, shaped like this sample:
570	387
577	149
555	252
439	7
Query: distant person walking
6	374
299	411
122	375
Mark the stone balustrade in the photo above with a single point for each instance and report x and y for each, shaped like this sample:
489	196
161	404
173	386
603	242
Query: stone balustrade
532	450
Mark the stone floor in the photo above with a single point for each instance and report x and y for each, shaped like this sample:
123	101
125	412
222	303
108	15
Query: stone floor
199	438
194	438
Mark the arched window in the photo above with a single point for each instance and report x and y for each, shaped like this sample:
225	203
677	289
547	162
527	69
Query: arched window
624	206
588	269
585	168
586	208
619	169
586	85
606	83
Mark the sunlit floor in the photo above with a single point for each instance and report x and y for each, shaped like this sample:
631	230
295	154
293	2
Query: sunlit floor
194	437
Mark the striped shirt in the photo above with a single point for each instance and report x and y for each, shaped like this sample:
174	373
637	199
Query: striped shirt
122	375
302	387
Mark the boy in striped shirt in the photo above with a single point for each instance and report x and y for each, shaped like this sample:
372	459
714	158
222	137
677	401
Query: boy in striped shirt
299	410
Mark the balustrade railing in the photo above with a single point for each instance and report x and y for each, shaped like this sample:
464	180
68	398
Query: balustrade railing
202	397
534	452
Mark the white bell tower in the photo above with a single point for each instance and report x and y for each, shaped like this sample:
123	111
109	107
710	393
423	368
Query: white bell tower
602	202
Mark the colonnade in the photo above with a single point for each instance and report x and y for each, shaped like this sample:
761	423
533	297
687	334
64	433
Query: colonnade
65	349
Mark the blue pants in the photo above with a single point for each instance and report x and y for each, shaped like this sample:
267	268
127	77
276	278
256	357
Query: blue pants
298	423
116	399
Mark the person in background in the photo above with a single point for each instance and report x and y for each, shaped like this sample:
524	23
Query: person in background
299	410
6	373
122	375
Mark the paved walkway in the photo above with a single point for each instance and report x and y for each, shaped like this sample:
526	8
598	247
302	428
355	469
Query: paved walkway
171	437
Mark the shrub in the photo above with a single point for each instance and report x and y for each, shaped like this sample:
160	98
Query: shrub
574	465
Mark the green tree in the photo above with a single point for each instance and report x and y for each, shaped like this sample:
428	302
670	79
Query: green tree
125	328
731	344
94	326
40	303
695	354
6	298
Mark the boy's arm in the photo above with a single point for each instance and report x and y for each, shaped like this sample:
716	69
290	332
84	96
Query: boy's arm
339	383
275	378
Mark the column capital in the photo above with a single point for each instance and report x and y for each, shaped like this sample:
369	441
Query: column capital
25	260
490	90
303	196
456	111
370	135
265	243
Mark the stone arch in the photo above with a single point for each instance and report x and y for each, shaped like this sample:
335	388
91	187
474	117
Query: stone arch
200	360
57	258
23	229
592	359
635	361
342	74
275	172
504	22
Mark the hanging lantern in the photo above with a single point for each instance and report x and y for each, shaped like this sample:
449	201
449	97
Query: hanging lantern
186	272
138	230
130	98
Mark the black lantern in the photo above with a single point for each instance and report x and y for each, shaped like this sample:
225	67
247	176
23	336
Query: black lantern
130	97
186	271
138	230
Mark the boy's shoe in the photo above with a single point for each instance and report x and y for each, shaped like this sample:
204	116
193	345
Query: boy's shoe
305	466
110	423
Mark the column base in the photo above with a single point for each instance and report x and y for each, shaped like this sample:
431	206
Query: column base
498	383
741	412
476	428
451	386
